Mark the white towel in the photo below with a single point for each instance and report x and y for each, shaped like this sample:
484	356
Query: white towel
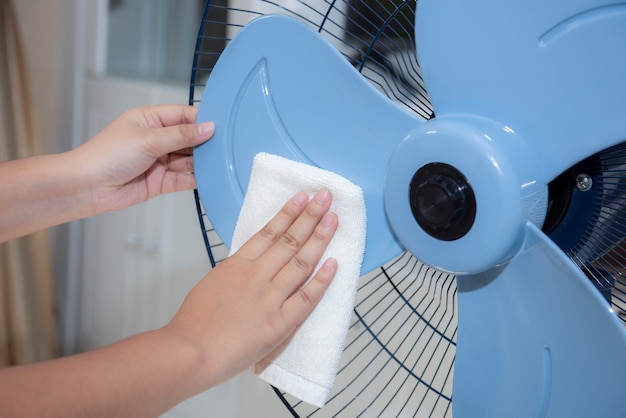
307	366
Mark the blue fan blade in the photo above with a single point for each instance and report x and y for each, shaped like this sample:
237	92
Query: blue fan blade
280	88
551	71
536	339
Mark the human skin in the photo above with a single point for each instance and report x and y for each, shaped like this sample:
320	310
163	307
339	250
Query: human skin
236	314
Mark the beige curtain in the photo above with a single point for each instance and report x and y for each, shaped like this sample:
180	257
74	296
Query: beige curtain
26	292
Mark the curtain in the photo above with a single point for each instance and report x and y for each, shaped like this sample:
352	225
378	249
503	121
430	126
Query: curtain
26	291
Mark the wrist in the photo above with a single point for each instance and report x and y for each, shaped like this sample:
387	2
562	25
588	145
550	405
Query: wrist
191	359
82	180
44	191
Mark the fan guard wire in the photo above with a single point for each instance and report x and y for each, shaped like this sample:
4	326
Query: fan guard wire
399	354
600	252
376	36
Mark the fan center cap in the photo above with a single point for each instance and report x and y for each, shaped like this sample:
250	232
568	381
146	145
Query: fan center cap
442	201
459	191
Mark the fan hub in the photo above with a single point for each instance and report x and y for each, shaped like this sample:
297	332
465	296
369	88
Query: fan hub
472	185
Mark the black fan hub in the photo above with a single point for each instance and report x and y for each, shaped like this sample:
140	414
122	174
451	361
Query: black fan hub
442	201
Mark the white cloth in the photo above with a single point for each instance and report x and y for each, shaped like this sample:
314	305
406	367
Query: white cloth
306	367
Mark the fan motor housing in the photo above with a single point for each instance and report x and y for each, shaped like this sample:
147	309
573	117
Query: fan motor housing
459	190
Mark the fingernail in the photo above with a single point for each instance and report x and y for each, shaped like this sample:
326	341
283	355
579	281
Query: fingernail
322	197
206	128
329	219
300	199
330	264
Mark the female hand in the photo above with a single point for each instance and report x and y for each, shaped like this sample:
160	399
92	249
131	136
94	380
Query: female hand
241	311
254	300
143	153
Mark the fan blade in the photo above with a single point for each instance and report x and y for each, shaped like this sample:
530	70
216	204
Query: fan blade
280	88
536	339
551	71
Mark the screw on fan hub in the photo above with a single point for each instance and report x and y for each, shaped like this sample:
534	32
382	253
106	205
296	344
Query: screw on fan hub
442	201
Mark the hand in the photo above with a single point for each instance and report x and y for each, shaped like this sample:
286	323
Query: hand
237	315
254	300
144	153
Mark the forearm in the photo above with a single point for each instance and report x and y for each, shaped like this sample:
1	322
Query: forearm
143	376
40	192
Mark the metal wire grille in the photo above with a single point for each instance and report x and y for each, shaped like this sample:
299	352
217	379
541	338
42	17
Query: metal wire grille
601	251
376	36
216	249
399	356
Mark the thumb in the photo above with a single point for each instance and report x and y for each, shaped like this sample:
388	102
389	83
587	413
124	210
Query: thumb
178	137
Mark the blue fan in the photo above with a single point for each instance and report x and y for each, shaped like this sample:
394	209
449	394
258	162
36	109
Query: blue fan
488	144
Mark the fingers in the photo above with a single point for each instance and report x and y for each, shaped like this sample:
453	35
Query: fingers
287	232
266	237
177	182
180	163
173	128
301	264
297	307
178	175
169	115
292	240
307	225
290	246
162	141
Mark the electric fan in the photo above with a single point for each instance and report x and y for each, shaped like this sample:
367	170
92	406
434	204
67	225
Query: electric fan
487	138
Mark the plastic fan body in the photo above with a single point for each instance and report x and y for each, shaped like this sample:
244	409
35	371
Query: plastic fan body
522	92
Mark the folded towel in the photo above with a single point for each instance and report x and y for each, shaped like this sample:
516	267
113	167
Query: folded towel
306	367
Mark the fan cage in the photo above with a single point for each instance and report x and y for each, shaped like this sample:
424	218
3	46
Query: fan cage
399	356
600	252
376	36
